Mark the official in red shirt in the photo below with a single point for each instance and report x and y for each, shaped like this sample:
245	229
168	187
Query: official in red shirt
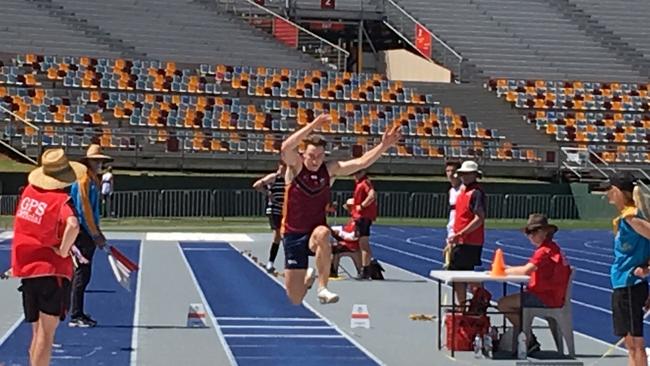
466	242
45	228
364	213
549	276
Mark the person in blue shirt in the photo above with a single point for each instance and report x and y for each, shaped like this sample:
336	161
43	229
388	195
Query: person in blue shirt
631	251
86	198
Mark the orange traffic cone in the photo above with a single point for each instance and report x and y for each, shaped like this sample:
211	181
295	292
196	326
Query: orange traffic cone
498	264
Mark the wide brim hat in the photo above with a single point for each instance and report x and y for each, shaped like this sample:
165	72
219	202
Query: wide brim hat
349	203
469	166
56	171
94	152
538	221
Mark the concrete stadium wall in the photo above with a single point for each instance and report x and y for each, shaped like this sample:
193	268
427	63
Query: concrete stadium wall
10	182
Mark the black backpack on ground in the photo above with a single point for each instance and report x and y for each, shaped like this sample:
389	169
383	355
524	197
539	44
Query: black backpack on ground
376	270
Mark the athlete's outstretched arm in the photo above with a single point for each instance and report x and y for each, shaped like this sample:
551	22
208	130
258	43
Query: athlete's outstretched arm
348	167
289	149
260	184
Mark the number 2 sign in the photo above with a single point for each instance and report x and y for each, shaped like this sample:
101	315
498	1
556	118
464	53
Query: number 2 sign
327	4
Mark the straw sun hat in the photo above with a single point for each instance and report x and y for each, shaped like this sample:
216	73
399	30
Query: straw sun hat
95	152
56	171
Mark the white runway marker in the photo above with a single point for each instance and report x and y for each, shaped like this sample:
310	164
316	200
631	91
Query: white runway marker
215	324
136	310
211	237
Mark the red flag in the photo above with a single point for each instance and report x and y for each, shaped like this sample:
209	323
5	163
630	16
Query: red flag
120	257
423	40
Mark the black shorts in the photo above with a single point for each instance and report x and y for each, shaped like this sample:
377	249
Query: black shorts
627	309
49	295
465	257
296	251
363	226
275	221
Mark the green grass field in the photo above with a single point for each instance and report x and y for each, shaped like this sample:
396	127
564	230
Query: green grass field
260	224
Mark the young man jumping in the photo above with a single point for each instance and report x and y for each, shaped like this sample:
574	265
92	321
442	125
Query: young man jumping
304	226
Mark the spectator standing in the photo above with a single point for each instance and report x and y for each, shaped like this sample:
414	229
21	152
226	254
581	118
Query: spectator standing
45	228
631	253
364	214
85	194
469	225
454	190
107	191
273	185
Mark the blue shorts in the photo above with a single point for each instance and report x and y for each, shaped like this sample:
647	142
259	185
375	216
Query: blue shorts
296	251
529	300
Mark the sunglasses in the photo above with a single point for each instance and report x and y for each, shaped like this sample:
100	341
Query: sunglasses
531	231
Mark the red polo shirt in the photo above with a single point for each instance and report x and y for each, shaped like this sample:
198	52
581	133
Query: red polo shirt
549	282
362	189
38	227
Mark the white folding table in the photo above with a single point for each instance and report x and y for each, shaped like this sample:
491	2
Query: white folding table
451	277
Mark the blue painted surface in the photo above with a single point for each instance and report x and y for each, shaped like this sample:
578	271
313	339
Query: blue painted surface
111	305
419	250
235	287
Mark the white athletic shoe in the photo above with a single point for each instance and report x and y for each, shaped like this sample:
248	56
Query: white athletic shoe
269	267
327	297
310	277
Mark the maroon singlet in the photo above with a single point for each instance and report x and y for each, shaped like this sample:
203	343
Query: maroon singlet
305	202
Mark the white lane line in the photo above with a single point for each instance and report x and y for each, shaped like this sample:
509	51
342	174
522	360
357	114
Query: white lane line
326	320
194	237
316	336
15	326
208	309
275	327
449	288
207	250
579	283
564	249
302	347
412	241
136	311
270	319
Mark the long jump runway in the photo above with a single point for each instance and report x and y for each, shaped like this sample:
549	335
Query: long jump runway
264	328
251	322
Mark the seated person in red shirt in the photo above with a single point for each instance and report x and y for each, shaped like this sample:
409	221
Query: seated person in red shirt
347	240
549	276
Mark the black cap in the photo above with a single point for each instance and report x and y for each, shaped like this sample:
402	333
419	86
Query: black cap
623	181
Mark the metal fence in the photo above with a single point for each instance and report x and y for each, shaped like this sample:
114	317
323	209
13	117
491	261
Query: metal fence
249	203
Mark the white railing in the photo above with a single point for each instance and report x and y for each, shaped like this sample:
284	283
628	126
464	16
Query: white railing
579	160
308	42
8	145
21	119
404	24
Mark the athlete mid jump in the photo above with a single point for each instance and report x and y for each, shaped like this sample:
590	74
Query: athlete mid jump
304	227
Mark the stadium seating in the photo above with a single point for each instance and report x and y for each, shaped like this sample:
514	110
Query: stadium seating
152	29
612	119
521	39
627	20
216	108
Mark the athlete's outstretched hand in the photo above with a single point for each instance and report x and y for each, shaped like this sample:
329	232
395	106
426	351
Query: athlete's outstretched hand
320	120
392	136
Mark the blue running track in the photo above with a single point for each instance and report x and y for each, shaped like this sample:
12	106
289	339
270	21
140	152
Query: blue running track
259	324
419	250
112	306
